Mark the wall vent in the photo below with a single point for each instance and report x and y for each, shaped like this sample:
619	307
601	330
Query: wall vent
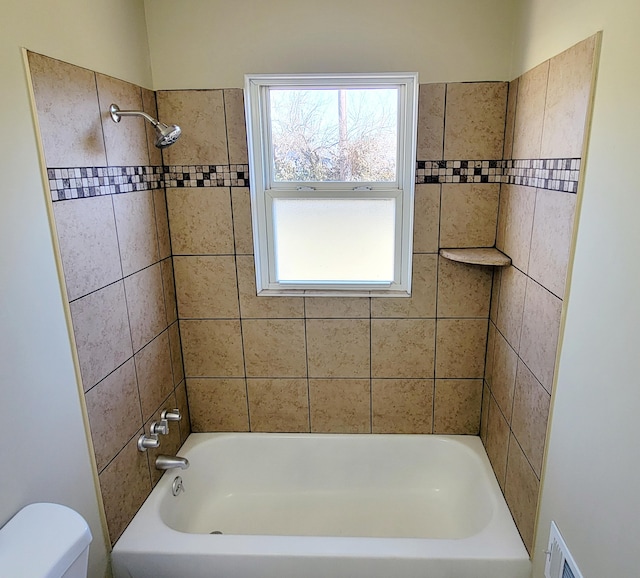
559	563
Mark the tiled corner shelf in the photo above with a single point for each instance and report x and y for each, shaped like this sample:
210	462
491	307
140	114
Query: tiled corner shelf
480	256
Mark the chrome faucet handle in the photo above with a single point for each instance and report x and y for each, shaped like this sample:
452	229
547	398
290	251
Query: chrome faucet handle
148	441
171	414
161	427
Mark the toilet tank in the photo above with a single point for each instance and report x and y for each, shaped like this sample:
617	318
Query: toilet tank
45	541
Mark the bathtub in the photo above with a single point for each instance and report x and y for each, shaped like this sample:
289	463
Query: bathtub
325	506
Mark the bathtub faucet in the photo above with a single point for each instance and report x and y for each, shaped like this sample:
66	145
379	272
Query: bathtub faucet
171	462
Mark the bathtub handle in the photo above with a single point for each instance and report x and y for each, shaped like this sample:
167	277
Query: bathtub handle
148	441
161	427
171	414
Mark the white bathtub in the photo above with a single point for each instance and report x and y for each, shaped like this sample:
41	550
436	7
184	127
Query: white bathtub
326	506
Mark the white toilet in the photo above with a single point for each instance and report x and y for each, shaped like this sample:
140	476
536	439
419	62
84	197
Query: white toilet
45	541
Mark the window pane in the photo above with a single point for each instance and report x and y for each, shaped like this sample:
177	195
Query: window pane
334	239
347	135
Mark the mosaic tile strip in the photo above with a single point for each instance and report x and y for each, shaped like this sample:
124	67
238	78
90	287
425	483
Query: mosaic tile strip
207	176
552	174
81	182
458	172
78	183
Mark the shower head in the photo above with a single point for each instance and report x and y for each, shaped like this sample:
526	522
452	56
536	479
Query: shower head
166	135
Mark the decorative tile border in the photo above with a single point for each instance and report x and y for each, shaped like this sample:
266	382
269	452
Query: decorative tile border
78	183
552	174
81	182
458	172
206	176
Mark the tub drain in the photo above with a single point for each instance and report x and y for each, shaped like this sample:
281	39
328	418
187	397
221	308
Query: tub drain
216	532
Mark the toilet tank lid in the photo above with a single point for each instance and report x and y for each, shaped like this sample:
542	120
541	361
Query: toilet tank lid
42	541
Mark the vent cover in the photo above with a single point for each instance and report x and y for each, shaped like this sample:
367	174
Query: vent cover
559	563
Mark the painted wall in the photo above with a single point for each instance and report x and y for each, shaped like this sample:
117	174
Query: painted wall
213	43
591	478
42	431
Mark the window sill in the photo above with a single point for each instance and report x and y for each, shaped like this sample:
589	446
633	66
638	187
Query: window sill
331	293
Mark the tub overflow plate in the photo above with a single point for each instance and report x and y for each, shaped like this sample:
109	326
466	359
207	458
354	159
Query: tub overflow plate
177	486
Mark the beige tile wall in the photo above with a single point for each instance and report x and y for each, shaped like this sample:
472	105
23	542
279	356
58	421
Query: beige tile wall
335	364
117	265
546	118
312	364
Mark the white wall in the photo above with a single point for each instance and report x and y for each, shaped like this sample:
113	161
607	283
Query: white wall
592	473
213	43
42	439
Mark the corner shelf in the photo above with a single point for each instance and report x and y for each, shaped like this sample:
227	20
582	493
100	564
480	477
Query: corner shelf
477	256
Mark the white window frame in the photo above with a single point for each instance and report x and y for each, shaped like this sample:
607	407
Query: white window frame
264	189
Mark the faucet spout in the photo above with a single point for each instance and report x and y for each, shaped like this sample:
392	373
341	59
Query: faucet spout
171	462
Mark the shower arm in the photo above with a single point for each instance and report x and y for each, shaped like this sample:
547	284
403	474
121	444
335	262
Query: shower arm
165	135
116	114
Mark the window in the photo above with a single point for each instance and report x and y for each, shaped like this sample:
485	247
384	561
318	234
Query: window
332	169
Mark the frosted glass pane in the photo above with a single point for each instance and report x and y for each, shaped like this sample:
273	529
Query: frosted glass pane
334	239
346	135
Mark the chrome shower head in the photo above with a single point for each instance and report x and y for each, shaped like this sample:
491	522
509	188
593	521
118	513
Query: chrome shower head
166	135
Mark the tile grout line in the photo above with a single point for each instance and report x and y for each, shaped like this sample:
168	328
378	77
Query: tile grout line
370	365
435	332
306	357
177	312
133	352
235	262
104	140
444	117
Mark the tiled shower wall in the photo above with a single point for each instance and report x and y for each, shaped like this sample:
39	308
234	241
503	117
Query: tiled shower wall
300	364
311	364
112	232
547	114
